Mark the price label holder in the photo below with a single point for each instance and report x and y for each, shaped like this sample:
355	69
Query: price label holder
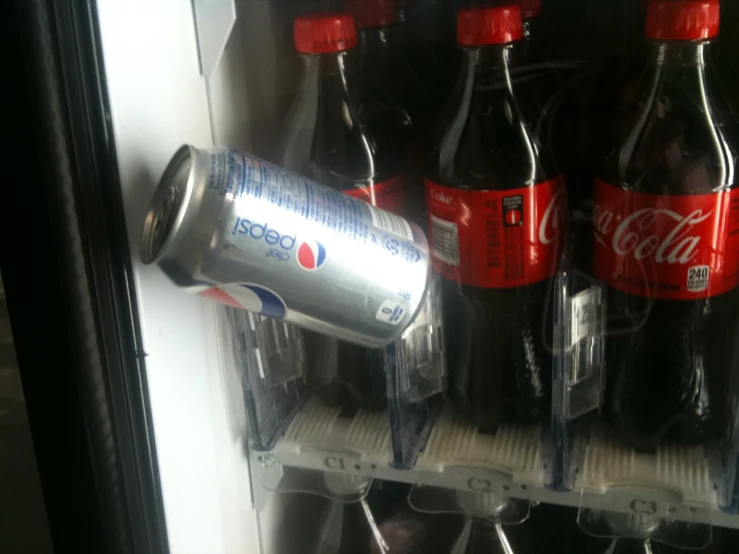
584	328
265	377
338	486
325	458
644	513
578	370
585	345
495	507
475	480
415	368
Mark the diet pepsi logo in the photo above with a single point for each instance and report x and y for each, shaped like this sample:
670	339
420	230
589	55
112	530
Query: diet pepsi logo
440	196
263	232
311	255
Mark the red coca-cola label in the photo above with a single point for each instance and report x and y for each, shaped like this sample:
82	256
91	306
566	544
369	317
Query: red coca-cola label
495	238
666	247
390	195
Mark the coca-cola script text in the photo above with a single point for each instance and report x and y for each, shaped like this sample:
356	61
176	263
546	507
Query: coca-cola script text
671	247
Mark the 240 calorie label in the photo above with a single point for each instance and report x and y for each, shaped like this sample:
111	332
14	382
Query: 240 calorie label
496	238
666	247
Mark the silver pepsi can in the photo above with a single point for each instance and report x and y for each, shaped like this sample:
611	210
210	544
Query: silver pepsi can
247	233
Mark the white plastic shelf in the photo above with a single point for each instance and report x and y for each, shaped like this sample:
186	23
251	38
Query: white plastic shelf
320	438
458	456
673	483
681	470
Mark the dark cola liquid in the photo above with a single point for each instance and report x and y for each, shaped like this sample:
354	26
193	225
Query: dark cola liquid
403	97
729	46
487	537
669	362
390	78
336	134
604	57
591	545
425	33
498	339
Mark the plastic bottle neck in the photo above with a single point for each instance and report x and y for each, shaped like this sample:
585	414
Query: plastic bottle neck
373	39
677	117
326	66
529	27
401	15
677	54
492	56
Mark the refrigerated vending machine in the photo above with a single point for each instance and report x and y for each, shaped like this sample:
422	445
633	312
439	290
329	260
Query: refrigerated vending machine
396	276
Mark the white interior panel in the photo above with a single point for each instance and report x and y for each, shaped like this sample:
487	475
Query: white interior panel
252	88
159	101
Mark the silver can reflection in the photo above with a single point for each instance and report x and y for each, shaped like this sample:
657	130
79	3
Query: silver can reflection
252	235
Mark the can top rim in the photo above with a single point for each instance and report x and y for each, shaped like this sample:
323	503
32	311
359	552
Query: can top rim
166	210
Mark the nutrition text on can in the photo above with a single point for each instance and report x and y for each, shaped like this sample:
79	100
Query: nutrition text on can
244	232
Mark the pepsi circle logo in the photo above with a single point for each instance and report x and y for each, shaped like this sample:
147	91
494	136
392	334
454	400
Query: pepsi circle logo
249	297
260	299
311	255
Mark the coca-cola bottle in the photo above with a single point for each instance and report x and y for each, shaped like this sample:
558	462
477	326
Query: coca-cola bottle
603	72
404	30
730	50
495	205
641	541
534	29
409	33
425	35
562	530
480	536
591	545
338	135
393	83
637	546
492	525
666	238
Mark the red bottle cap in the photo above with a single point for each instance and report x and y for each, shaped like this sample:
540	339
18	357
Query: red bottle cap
489	25
529	8
371	13
324	32
682	19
